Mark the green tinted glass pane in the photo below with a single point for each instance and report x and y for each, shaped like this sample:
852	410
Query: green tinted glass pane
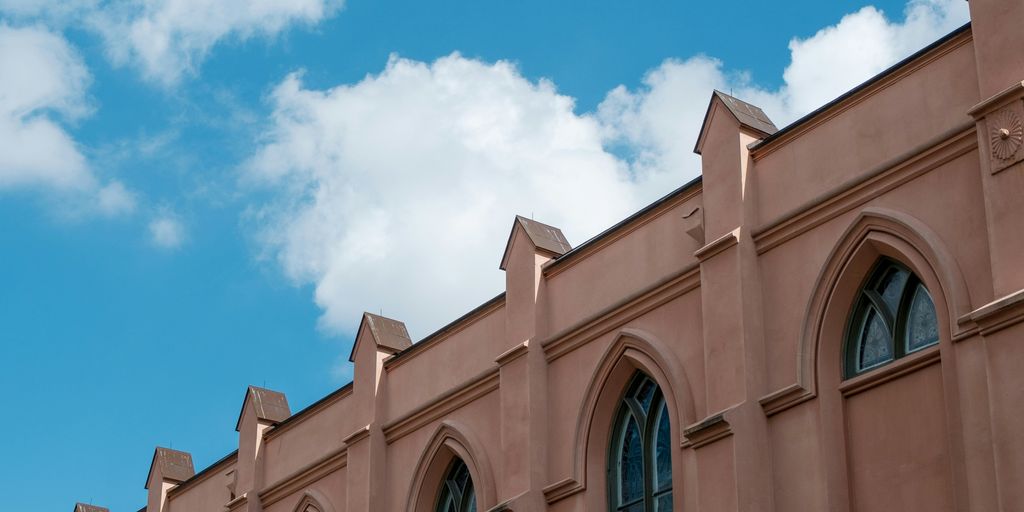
631	463
875	342
922	326
890	287
645	394
663	452
663	503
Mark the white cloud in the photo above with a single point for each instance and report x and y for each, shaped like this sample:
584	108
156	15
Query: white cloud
169	39
44	79
166	231
397	192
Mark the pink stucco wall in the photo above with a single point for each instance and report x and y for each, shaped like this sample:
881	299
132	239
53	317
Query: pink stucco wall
741	327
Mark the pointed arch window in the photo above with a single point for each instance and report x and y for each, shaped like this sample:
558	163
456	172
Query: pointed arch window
894	316
640	461
457	494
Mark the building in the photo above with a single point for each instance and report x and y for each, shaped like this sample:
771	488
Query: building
828	319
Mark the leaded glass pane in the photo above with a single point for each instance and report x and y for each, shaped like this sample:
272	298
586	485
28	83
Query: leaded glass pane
663	452
457	494
922	326
890	287
645	394
470	501
875	341
631	463
663	503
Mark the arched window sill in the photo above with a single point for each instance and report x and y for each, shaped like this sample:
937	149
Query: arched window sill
896	369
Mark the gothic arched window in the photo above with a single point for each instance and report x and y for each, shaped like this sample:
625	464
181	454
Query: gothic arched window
457	493
894	316
640	462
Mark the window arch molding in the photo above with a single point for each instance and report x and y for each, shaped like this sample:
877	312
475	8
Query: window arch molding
875	235
452	440
313	501
631	350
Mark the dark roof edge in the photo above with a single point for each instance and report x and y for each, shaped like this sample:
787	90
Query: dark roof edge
624	222
442	331
864	85
196	477
310	407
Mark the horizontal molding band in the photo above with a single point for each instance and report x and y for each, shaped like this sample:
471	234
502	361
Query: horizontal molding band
627	309
304	476
443	404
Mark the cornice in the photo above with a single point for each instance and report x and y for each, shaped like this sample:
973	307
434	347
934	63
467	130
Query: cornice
304	476
446	402
562	489
360	434
785	398
512	354
882	178
717	245
860	94
461	323
707	431
617	232
307	413
619	313
998	314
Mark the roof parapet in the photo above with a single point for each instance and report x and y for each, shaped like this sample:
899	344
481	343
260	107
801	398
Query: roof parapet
546	238
270	406
174	465
749	116
387	333
82	507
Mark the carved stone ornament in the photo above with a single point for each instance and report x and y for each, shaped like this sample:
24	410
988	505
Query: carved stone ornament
1006	133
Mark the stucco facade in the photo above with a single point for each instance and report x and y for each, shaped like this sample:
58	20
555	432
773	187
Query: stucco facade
734	294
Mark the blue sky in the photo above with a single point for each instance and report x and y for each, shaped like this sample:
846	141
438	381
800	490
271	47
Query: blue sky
194	199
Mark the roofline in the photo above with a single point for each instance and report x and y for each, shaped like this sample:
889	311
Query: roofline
425	341
864	85
574	252
306	410
196	477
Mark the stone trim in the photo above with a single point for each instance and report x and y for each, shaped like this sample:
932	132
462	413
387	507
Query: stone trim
304	476
890	371
707	431
998	314
884	177
785	398
617	314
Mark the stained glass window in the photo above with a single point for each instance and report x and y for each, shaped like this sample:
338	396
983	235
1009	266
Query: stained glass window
893	317
640	467
457	494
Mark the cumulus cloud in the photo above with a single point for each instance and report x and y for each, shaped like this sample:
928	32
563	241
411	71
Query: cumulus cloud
45	80
166	231
397	192
169	39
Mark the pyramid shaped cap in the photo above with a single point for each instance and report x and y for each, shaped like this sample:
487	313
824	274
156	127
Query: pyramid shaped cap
749	116
548	239
175	466
270	405
388	334
82	507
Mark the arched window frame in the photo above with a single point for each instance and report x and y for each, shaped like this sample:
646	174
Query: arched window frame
894	316
457	493
648	421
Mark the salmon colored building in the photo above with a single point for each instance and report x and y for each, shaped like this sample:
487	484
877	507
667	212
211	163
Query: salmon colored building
829	318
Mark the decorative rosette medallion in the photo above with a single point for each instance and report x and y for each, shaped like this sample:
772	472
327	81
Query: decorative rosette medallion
1007	134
